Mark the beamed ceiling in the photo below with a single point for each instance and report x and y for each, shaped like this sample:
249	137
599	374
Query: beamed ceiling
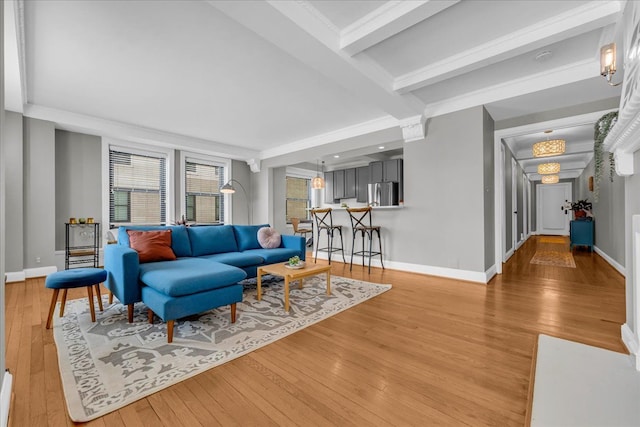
269	80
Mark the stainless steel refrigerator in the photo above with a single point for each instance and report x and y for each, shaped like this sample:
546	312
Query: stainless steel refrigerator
382	194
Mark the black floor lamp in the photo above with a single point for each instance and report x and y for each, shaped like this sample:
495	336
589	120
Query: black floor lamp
228	188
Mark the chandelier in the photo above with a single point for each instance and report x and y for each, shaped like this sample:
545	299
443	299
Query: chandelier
550	179
550	147
547	168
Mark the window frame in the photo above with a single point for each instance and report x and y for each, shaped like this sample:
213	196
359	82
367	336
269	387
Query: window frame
303	174
168	154
186	156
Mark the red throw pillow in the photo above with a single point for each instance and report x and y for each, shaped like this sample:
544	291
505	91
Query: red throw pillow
152	245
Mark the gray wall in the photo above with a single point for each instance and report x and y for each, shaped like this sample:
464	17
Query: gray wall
608	212
443	221
39	193
489	189
78	180
279	187
240	209
14	194
262	197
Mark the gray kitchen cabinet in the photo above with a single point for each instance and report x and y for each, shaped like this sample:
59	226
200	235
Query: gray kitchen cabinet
328	187
376	172
338	184
362	179
350	183
393	171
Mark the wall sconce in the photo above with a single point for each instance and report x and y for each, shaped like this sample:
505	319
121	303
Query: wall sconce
608	62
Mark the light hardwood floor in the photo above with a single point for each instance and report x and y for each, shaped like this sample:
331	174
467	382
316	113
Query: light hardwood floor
430	351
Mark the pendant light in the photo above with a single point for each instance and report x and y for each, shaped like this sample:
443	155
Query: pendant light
317	183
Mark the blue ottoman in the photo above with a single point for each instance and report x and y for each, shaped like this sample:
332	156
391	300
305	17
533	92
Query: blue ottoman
75	278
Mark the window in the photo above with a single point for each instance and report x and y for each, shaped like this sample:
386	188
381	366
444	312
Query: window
298	198
204	202
137	188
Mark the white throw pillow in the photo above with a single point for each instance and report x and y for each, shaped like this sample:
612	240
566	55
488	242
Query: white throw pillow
269	238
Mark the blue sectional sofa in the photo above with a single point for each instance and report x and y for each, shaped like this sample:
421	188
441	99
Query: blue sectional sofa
211	260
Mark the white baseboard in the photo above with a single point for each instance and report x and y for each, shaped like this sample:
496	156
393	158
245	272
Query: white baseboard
16	276
5	398
451	273
39	271
520	243
509	254
492	271
631	342
615	264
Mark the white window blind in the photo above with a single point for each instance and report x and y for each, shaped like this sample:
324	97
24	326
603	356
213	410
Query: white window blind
138	188
298	199
204	202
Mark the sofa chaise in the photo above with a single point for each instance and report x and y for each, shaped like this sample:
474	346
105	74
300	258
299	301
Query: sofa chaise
209	262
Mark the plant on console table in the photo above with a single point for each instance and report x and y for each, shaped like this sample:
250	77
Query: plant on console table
582	209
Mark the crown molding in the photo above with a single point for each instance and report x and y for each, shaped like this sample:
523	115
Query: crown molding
559	76
581	19
413	128
75	122
360	129
386	21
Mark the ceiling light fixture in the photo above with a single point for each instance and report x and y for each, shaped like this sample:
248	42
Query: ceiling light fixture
336	156
608	62
317	183
381	147
548	148
550	179
548	168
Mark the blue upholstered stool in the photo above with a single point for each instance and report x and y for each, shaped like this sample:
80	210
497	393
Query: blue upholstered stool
75	278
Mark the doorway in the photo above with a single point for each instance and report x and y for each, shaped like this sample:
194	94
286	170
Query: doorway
551	218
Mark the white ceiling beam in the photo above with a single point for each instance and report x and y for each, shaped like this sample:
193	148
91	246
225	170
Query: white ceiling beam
562	175
584	18
565	166
566	74
386	21
304	33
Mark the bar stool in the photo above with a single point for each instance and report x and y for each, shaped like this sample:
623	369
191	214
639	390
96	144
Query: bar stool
75	278
295	222
361	222
324	221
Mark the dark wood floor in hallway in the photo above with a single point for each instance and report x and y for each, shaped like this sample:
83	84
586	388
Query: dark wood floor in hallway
430	351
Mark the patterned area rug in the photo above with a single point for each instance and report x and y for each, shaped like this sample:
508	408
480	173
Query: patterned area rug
554	239
111	363
554	258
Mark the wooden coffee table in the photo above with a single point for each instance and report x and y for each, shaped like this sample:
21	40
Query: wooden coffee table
290	275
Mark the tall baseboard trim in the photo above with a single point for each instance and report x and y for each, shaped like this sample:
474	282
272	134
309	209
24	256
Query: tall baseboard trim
631	342
40	271
451	273
16	276
615	264
509	254
5	398
492	271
